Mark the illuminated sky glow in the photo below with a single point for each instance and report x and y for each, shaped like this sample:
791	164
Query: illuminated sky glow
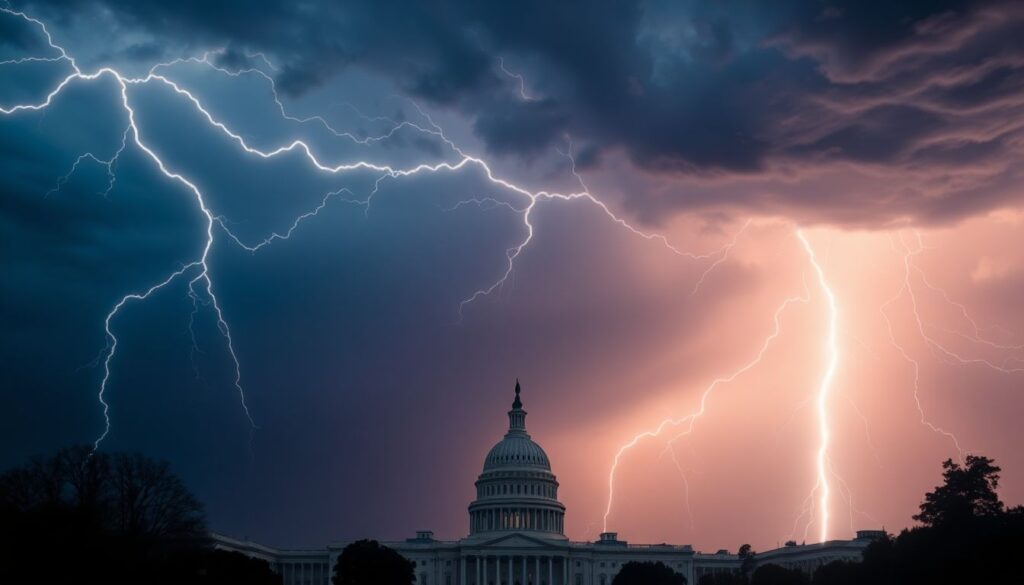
306	270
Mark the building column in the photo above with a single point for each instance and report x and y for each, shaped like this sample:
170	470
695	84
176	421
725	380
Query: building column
536	570
462	571
510	559
565	570
524	570
477	559
551	570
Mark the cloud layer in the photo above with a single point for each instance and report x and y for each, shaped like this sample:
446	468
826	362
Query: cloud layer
853	112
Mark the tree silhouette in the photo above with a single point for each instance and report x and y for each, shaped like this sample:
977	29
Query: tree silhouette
966	536
367	562
151	502
647	573
968	492
839	573
109	518
746	554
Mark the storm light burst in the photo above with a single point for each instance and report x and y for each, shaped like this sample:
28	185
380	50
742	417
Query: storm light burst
759	267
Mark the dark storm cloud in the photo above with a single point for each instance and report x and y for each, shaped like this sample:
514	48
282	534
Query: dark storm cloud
700	89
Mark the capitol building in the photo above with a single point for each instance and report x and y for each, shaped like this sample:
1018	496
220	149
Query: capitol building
517	536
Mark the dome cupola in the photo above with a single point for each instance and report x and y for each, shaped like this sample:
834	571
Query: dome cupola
516	490
516	449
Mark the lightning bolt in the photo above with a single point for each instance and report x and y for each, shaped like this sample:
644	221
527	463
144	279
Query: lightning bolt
907	288
200	284
671	451
908	252
688	421
523	94
109	164
822	487
975	335
822	463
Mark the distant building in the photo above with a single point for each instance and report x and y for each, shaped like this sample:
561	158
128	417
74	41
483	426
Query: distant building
516	536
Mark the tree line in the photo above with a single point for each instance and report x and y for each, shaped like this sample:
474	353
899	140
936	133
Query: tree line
85	517
966	536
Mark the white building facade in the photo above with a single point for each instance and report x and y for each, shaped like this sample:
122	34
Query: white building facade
516	536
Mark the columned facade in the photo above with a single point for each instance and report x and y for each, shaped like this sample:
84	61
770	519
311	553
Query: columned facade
514	569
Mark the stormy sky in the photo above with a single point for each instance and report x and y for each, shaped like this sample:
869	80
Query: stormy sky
702	134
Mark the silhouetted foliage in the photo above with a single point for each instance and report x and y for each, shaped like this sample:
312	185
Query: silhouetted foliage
108	518
367	562
968	492
968	537
746	554
777	575
838	573
647	573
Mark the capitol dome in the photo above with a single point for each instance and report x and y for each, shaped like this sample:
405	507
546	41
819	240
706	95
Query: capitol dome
516	451
516	490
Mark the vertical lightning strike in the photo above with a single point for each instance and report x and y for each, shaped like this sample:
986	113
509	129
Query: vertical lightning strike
822	487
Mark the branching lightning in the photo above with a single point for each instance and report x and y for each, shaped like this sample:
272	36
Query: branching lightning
200	287
942	351
822	487
688	421
908	252
110	164
200	284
